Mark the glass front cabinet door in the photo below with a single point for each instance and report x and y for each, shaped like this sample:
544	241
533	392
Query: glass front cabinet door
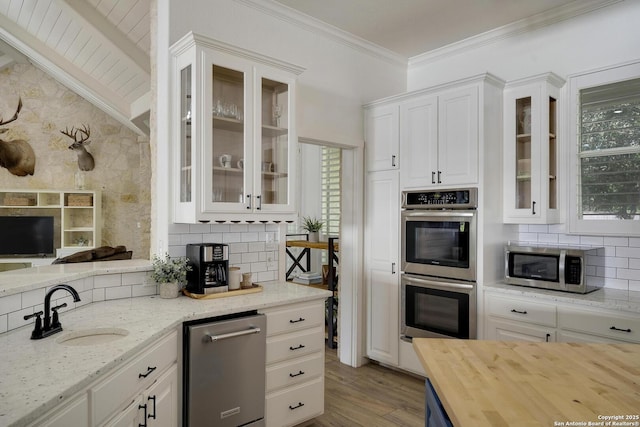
531	191
234	139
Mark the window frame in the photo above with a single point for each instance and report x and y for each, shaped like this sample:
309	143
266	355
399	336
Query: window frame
575	84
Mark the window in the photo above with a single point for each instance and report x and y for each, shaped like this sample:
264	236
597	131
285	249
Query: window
606	155
331	167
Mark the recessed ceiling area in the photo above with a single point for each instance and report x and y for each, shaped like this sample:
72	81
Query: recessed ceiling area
412	27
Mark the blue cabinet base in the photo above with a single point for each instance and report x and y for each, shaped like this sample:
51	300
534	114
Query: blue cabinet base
435	415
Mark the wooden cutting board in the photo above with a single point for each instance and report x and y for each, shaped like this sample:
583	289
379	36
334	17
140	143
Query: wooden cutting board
505	383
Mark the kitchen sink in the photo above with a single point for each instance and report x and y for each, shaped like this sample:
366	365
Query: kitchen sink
92	336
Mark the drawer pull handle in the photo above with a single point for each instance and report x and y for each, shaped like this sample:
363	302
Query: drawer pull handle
302	319
613	328
145	415
299	405
513	310
146	374
152	416
296	348
296	375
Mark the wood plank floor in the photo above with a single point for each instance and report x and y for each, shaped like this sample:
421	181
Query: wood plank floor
369	396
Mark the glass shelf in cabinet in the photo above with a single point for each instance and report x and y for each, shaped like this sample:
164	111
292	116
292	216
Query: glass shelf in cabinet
272	131
274	175
225	123
231	170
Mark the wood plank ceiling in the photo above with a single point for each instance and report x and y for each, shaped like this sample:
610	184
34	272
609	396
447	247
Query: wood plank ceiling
98	47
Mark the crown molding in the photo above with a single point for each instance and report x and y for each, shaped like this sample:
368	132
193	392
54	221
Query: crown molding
544	19
306	22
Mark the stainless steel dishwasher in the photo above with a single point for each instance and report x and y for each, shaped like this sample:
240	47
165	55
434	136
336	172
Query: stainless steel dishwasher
224	371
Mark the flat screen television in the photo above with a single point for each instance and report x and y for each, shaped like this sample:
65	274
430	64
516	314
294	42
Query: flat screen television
26	236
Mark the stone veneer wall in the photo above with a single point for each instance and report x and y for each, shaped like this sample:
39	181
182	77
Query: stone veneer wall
122	157
103	287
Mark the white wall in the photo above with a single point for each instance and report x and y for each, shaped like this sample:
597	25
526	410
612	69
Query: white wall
604	37
598	39
339	78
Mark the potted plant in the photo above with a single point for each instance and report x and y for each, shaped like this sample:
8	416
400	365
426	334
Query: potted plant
313	226
170	274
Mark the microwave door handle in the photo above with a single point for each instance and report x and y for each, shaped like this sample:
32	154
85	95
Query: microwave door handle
563	257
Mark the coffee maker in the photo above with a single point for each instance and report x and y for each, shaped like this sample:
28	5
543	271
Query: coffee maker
209	268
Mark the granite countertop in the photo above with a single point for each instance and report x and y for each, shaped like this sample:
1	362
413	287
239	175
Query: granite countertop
604	298
35	376
26	279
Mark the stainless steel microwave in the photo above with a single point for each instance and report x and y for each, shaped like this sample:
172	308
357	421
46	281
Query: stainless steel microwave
569	269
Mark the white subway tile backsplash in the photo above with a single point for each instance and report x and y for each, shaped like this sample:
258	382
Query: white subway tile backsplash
236	248
199	228
258	267
98	295
3	323
257	247
617	264
592	240
628	252
250	257
235	259
16	319
178	229
117	292
138	278
34	297
107	280
250	237
265	276
547	238
616	241
10	304
220	228
212	238
141	291
625	273
191	238
232	237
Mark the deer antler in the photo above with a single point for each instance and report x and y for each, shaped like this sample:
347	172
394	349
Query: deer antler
15	116
73	133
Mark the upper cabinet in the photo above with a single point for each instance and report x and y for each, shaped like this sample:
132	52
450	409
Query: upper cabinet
439	138
382	133
531	148
234	135
433	136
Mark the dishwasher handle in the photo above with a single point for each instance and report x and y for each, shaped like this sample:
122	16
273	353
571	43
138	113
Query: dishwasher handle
214	338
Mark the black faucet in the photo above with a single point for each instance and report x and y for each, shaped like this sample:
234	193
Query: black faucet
51	325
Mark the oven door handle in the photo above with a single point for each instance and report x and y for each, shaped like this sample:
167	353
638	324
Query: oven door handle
436	213
443	285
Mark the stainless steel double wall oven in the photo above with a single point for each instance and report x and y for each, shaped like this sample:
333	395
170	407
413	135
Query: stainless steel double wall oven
438	280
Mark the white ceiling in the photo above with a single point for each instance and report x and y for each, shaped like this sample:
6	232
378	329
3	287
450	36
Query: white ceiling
412	27
100	48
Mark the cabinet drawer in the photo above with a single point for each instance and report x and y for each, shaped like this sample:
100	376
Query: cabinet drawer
523	311
300	370
293	345
295	318
296	404
121	386
605	324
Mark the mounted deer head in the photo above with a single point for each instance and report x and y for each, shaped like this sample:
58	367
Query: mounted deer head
85	159
16	155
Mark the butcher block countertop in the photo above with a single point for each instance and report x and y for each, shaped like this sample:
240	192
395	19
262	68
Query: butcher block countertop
506	383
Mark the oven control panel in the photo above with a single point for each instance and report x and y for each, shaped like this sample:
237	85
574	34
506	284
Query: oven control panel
464	198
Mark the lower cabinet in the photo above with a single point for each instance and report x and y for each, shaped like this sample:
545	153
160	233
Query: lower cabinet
521	319
143	393
155	407
435	415
295	364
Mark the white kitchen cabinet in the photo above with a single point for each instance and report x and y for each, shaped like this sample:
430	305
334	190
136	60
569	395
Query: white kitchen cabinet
531	150
295	363
382	133
74	414
110	399
381	253
525	318
502	330
156	407
234	135
600	324
442	130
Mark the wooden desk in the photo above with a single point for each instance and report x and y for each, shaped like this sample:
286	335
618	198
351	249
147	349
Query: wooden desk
500	383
